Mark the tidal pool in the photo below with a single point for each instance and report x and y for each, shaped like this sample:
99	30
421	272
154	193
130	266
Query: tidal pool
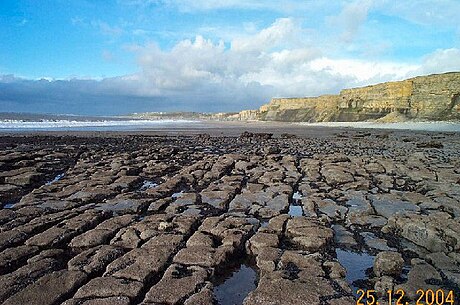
295	210
356	264
8	205
56	179
233	288
147	184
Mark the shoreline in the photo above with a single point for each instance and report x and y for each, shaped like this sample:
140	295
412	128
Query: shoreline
235	128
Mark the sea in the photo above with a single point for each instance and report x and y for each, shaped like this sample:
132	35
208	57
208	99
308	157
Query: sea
16	122
38	122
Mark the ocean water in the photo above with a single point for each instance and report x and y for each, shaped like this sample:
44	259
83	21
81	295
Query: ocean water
9	125
421	126
11	122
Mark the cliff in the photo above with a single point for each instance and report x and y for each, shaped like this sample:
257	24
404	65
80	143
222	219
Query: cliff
432	97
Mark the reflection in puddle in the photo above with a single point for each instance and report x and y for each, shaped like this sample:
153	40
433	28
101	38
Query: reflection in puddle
356	264
124	205
148	185
233	289
177	195
297	196
264	223
56	179
8	205
295	210
373	242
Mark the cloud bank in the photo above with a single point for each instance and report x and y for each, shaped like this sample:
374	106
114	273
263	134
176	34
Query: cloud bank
203	74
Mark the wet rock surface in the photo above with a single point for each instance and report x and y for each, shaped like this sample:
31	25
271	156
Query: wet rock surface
137	219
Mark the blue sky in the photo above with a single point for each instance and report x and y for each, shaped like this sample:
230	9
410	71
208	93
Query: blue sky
119	56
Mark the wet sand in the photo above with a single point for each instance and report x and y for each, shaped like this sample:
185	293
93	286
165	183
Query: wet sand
227	214
232	128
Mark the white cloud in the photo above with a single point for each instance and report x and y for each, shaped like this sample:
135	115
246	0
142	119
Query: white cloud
351	18
107	29
266	58
196	66
280	32
78	21
363	71
107	56
140	32
243	70
287	6
426	12
187	65
440	61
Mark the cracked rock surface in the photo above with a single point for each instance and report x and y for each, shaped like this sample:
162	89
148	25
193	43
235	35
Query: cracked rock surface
149	219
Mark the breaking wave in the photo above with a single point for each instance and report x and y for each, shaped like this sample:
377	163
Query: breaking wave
75	124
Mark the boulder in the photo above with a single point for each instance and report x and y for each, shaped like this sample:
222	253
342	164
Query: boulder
388	263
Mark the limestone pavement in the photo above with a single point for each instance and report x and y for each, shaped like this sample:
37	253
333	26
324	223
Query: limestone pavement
160	219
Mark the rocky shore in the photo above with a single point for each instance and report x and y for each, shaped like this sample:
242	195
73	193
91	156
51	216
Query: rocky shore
222	219
433	97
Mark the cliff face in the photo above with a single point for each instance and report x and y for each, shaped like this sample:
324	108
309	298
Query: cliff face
436	96
248	115
432	97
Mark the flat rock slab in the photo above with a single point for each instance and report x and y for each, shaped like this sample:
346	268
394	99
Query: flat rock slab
9	257
140	264
95	260
419	276
308	234
123	206
216	199
178	283
66	230
49	289
17	280
388	206
149	219
107	286
100	301
282	291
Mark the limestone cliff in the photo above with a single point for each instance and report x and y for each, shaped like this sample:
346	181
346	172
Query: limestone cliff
432	97
247	115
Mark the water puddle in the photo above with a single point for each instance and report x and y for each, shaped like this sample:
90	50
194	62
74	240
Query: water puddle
147	184
120	206
356	264
295	210
8	205
373	242
264	223
297	197
177	195
235	287
56	179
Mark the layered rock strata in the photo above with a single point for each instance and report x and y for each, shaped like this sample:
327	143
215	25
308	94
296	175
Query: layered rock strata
433	97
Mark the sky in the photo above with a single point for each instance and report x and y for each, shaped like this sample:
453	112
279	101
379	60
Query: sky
123	56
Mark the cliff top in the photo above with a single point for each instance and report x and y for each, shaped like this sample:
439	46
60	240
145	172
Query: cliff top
457	73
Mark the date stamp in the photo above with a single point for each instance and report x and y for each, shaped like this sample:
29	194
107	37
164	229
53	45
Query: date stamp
424	297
